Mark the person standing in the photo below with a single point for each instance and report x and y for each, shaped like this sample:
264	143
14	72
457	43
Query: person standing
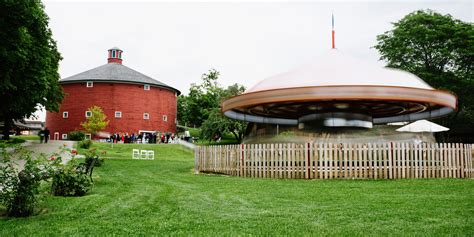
41	135
46	135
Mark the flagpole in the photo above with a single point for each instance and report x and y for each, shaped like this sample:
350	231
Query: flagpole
333	33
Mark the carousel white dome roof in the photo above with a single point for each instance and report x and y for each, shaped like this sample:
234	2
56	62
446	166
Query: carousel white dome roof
336	69
340	91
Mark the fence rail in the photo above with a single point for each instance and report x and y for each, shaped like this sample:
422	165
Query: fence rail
329	161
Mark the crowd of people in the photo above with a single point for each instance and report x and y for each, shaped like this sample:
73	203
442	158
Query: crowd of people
145	138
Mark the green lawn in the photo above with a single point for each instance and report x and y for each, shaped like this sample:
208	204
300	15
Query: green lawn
28	137
165	197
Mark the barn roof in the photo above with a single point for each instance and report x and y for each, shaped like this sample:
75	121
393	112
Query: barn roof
114	72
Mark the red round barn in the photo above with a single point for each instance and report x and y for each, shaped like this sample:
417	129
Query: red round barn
133	102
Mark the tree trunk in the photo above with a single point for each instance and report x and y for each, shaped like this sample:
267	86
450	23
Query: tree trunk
7	124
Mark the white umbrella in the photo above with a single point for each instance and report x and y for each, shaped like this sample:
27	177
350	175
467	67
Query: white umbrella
422	126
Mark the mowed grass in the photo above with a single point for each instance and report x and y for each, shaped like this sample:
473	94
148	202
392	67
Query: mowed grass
165	197
29	137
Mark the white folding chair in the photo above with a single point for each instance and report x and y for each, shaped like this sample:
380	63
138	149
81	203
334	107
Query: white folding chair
143	154
135	154
151	155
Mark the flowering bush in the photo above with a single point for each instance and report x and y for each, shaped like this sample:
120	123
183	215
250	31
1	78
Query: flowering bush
19	184
19	188
68	180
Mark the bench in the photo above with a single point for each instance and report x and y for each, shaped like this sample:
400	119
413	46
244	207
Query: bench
87	167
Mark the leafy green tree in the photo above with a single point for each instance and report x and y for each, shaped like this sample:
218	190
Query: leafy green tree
440	50
214	125
202	107
96	122
196	107
29	62
183	110
218	124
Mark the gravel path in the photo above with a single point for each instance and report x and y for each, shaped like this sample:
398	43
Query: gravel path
48	148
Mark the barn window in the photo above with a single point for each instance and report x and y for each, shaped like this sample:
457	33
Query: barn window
146	87
88	136
118	114
88	114
146	116
64	136
165	118
65	114
89	84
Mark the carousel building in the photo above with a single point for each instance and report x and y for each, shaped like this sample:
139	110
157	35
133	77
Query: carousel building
132	101
337	98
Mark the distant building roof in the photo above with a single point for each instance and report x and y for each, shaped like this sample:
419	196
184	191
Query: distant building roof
114	72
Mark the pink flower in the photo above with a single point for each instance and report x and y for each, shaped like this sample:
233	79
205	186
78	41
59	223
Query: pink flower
52	158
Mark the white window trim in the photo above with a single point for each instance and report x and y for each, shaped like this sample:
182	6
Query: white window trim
64	136
65	114
90	113
146	87
165	118
119	113
89	84
88	136
146	116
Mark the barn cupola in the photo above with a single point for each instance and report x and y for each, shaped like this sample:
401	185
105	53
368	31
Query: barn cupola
115	55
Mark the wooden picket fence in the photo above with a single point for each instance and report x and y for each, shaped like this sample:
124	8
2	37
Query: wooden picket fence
330	161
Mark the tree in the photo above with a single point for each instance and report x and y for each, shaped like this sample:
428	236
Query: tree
196	107
183	110
218	124
202	107
438	49
96	122
29	62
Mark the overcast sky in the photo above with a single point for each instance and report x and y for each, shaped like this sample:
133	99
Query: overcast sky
176	42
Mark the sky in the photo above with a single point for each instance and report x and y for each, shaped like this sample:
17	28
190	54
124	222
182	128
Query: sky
176	42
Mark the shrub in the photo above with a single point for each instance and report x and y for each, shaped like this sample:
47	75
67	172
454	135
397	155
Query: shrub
69	181
20	188
76	135
93	154
86	144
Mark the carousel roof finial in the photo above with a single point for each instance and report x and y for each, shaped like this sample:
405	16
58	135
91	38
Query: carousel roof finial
333	34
